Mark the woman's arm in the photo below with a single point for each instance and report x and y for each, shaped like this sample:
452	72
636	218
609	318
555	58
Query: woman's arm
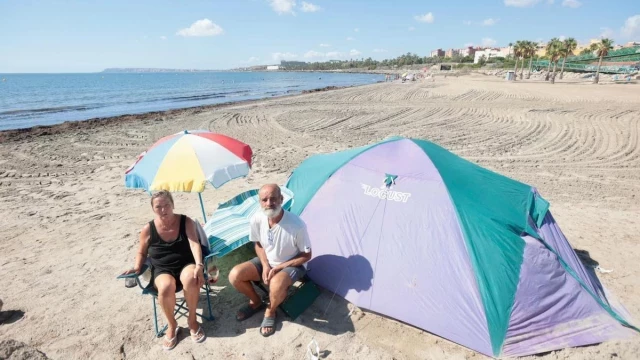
141	256
194	244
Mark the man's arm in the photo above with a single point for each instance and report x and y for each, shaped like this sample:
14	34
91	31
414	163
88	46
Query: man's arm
262	255
299	260
304	247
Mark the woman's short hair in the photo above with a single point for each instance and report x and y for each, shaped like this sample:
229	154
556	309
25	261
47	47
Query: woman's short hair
162	193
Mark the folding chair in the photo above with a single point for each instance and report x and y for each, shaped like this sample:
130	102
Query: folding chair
181	307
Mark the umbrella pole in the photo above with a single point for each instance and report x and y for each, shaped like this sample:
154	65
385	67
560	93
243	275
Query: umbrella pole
204	215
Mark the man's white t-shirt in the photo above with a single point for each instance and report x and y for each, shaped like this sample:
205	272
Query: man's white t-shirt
284	241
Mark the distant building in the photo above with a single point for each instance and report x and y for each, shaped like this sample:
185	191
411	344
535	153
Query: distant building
469	51
273	67
488	54
451	53
437	53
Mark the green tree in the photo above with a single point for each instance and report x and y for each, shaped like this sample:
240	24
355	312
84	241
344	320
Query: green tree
568	46
601	49
551	51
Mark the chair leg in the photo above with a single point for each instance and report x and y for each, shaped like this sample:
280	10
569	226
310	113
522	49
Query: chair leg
159	333
210	318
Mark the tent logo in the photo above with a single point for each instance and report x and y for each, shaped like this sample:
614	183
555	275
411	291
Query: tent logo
384	193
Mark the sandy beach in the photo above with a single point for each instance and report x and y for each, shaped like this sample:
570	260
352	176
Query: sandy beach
70	226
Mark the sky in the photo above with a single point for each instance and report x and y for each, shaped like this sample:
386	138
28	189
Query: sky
88	36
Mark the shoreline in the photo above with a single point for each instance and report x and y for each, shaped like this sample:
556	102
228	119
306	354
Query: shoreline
69	218
68	125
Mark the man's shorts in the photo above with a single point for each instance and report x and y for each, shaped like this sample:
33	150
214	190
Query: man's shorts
295	272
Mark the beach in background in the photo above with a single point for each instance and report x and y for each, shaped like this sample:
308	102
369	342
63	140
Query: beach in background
70	226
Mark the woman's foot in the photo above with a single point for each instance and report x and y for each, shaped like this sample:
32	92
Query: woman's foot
196	331
168	341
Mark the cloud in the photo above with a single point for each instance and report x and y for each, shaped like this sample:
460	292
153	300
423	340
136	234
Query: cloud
309	7
379	50
355	52
163	37
606	32
488	42
550	2
571	3
521	3
411	28
253	59
426	18
325	45
283	56
313	54
334	55
350	38
202	27
356	30
485	22
631	27
489	22
283	6
561	37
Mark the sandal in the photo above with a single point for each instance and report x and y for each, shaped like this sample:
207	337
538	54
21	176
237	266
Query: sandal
172	342
268	322
247	311
198	336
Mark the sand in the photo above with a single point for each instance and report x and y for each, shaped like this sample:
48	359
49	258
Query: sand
70	226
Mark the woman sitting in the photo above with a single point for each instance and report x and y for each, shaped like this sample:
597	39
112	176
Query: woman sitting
171	243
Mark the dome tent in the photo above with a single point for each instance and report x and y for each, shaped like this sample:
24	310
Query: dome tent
411	231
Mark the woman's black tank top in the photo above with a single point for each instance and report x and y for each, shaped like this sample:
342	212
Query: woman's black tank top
174	255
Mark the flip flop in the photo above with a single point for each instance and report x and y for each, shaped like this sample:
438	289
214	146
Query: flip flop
172	342
268	322
247	311
198	336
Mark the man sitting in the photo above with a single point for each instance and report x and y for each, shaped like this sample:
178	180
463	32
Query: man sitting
282	245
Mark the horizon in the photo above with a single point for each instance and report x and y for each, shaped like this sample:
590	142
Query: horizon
75	37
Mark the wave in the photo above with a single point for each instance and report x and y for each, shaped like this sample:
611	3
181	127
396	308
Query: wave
47	110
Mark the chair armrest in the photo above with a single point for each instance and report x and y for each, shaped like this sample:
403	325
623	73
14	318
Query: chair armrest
134	275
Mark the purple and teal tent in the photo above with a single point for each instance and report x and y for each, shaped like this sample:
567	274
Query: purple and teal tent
409	230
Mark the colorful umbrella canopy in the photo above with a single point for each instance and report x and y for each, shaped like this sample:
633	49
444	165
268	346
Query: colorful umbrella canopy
228	228
187	160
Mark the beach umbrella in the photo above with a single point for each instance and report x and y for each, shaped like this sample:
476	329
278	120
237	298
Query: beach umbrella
228	228
187	160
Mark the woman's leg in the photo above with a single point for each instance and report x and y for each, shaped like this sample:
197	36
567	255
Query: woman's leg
166	286
191	294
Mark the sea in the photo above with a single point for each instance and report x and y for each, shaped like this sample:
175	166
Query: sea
28	100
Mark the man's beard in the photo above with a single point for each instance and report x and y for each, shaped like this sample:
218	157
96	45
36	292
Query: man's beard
272	213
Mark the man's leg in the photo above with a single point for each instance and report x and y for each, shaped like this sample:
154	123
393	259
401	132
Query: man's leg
191	295
240	277
166	286
278	287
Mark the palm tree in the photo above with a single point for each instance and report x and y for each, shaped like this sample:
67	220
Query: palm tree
517	49
602	49
569	45
556	52
548	50
532	48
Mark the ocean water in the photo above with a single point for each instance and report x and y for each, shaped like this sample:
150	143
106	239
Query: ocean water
27	100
